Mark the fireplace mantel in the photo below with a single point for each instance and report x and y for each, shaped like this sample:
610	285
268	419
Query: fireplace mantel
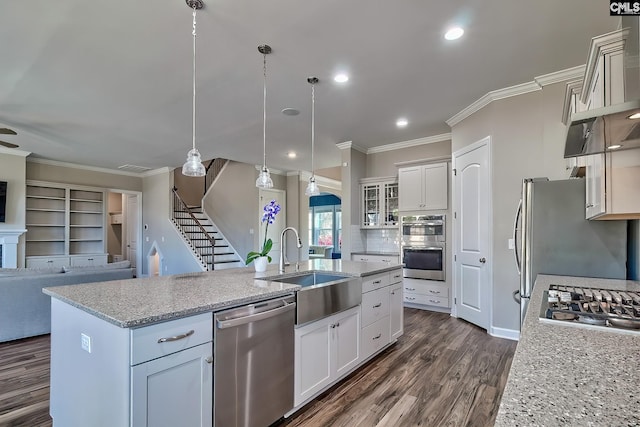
9	241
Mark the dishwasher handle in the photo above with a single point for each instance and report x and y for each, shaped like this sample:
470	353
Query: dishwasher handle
224	324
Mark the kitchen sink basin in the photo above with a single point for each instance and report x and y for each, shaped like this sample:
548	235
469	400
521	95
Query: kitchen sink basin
322	294
311	279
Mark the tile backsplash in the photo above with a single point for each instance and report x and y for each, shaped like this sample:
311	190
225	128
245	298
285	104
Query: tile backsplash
382	240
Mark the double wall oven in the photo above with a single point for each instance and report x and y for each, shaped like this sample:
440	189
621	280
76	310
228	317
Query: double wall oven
423	246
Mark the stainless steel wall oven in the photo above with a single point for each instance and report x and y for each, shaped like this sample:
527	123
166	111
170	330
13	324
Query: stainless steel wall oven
423	246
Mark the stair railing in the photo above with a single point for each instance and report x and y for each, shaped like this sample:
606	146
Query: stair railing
213	169
179	206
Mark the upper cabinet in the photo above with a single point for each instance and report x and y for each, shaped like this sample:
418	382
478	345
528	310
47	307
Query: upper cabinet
379	202
423	187
612	190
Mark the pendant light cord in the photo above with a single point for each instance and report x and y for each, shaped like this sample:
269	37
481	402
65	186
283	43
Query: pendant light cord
313	129
194	78
264	113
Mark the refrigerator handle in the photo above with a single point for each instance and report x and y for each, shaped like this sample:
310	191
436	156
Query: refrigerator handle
516	296
515	237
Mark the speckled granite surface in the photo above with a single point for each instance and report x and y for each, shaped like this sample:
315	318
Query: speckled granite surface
138	302
571	376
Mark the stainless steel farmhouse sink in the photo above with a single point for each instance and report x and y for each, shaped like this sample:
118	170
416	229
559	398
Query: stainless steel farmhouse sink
322	293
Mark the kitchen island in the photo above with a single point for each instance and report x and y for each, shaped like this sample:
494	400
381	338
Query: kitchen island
108	362
570	375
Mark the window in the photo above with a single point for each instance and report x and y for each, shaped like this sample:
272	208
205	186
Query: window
325	221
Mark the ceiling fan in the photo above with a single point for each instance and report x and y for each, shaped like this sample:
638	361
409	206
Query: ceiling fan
7	131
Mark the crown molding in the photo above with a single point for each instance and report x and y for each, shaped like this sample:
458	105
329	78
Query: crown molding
321	180
561	76
430	160
573	88
153	172
537	84
84	167
14	152
350	144
410	143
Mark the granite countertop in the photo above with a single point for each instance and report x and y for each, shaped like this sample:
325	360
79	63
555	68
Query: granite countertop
572	376
137	302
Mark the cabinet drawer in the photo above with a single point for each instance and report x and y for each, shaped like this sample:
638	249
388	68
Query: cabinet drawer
158	340
395	276
375	305
374	337
377	281
423	287
88	260
47	262
426	300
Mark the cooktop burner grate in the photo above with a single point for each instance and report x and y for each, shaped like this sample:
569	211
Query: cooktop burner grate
615	309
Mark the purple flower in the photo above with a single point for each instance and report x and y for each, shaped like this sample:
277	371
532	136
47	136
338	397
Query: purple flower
271	209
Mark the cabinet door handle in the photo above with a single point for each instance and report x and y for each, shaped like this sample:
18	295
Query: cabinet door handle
338	325
378	305
410	289
589	205
410	298
393	292
434	301
177	337
209	360
333	326
434	292
377	336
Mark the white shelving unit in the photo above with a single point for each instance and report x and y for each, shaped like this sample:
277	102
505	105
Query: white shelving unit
65	225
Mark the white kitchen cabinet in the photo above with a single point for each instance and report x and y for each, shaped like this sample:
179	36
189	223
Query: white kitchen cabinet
379	203
174	390
389	259
426	293
396	311
88	260
47	261
595	185
423	187
325	350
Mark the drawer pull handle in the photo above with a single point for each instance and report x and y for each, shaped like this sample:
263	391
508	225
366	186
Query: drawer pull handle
378	305
434	301
397	276
209	360
434	292
410	298
50	261
177	337
376	282
410	289
377	336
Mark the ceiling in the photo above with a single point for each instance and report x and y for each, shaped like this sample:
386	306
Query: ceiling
107	83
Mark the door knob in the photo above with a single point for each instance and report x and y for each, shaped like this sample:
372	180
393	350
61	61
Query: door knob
483	260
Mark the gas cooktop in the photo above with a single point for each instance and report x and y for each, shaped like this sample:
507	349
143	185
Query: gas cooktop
614	310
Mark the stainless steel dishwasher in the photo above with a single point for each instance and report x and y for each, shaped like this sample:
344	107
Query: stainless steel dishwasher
253	365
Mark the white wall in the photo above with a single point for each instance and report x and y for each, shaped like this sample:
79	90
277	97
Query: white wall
13	170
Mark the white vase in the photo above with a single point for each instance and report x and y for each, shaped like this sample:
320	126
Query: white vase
260	264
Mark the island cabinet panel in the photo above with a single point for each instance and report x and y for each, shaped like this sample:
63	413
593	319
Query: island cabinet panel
325	350
174	390
396	311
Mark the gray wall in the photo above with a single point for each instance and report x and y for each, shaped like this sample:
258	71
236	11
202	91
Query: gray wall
70	175
156	210
13	170
527	139
382	163
190	188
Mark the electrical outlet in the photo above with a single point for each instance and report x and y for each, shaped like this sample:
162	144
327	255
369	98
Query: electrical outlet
85	342
511	244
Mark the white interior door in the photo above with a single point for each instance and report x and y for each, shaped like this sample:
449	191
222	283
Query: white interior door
472	236
132	228
273	233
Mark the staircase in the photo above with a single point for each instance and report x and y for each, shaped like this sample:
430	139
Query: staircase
208	245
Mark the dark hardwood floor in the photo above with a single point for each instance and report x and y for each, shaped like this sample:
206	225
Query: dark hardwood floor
441	372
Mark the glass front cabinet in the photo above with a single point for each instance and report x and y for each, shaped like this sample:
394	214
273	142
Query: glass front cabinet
379	203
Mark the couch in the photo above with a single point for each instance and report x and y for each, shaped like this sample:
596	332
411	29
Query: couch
25	311
320	251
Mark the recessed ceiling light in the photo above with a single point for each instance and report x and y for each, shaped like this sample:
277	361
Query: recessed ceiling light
292	154
454	33
402	122
341	78
614	147
290	112
634	116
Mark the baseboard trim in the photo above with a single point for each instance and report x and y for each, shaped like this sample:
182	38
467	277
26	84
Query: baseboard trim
510	334
427	307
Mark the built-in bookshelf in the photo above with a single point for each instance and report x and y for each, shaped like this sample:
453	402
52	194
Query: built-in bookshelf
65	224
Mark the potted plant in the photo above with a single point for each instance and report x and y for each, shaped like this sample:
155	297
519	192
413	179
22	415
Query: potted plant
262	257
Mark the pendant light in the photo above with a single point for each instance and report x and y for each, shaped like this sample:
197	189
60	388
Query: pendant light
264	178
193	166
312	187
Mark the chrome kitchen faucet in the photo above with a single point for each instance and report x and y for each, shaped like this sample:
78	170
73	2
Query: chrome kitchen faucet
281	264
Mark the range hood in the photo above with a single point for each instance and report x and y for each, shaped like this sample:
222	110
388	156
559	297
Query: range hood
604	129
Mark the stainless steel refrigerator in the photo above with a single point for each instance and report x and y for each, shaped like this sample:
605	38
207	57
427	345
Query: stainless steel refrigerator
552	236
